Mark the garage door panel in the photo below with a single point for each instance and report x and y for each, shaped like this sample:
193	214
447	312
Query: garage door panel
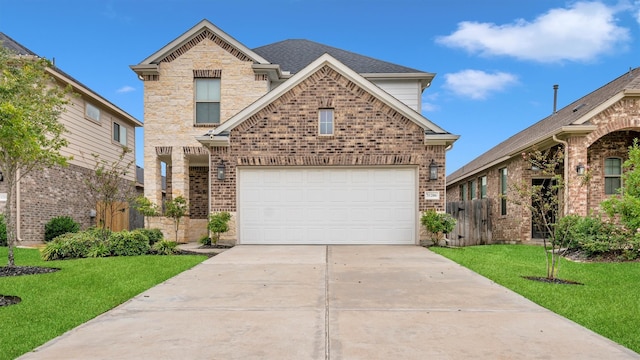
327	205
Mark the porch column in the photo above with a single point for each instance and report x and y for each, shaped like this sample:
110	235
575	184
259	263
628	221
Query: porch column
578	191
180	185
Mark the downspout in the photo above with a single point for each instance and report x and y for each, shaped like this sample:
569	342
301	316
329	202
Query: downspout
566	173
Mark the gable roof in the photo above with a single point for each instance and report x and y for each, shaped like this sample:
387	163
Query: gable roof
57	73
295	54
191	34
573	118
432	132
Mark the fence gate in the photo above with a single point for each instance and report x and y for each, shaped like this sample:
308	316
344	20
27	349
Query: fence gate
117	218
473	222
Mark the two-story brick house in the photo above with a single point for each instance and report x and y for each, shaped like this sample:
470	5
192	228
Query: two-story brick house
594	132
301	142
93	126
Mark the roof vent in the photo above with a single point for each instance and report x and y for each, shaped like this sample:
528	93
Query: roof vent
555	97
579	107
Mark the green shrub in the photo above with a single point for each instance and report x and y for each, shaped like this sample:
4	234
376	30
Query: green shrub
205	240
218	224
592	235
3	231
437	224
69	246
154	235
166	247
59	225
99	249
128	243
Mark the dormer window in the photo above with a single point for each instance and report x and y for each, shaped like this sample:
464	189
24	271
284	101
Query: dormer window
325	124
207	101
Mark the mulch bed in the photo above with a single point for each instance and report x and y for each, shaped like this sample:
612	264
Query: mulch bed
217	246
552	281
6	300
25	270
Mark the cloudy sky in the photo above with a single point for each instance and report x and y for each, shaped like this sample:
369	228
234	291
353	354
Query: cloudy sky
496	60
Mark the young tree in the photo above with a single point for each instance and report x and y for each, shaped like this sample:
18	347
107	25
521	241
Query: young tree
108	190
219	224
30	134
146	208
545	203
176	209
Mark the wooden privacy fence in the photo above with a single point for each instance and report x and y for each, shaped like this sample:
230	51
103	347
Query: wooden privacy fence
473	222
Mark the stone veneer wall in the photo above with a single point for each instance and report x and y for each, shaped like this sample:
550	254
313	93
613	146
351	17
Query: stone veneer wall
367	133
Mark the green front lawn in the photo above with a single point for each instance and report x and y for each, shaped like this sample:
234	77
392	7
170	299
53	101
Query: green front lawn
57	302
608	302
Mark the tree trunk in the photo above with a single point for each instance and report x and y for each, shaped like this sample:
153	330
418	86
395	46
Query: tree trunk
10	218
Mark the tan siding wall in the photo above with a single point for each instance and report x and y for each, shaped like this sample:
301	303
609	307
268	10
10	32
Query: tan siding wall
88	137
408	91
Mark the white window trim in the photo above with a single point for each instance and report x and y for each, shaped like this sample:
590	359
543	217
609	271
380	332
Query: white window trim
320	122
91	112
196	102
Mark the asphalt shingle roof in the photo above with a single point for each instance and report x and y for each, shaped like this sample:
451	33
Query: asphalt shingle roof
14	46
295	54
546	127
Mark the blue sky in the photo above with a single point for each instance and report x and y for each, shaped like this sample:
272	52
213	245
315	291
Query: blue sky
496	60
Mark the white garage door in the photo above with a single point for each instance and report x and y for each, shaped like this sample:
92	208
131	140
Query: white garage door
327	206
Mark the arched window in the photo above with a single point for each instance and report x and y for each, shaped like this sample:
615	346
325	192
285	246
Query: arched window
612	175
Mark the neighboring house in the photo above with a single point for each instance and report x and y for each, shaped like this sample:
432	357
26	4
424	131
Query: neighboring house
94	126
596	130
301	142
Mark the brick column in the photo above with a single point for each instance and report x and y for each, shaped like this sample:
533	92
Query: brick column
578	193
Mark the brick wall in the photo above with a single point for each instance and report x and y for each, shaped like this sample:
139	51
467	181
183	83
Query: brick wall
367	133
53	192
198	192
615	144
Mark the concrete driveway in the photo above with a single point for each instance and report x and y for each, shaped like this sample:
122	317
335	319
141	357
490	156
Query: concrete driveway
329	302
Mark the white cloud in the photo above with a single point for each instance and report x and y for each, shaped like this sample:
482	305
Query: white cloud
476	84
125	89
580	32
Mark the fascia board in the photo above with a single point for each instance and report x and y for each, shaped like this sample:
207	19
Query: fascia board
440	139
179	41
93	95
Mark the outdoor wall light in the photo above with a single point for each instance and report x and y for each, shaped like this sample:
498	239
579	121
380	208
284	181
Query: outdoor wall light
1	176
580	169
433	170
221	170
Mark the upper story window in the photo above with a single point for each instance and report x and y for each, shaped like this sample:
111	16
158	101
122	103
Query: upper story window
503	191
207	101
612	175
120	134
91	112
483	187
325	124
